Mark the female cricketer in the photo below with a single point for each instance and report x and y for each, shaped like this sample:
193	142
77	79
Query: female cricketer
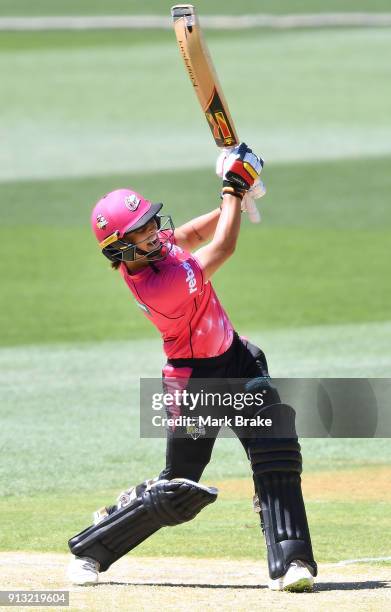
168	272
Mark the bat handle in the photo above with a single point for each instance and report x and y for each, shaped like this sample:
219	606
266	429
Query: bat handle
252	210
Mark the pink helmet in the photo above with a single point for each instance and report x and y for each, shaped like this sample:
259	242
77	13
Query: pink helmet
117	213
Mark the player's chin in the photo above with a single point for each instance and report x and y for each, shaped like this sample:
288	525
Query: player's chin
156	252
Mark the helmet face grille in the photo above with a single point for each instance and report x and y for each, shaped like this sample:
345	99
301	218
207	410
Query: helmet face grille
120	250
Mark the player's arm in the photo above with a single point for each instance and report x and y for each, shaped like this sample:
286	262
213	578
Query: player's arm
222	246
194	233
242	170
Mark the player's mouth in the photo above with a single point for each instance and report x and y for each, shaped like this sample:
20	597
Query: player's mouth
153	244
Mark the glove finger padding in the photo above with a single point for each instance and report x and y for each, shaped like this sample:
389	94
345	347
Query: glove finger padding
258	190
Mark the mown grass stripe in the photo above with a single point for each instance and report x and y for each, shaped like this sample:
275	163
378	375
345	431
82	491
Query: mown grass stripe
213	22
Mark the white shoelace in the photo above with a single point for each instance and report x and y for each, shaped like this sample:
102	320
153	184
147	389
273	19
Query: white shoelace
90	565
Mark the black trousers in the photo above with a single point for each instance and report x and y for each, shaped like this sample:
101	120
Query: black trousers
187	457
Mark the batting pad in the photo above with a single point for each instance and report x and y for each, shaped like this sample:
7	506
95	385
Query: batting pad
163	503
277	465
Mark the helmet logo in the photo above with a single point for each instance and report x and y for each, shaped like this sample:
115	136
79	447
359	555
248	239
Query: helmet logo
132	202
101	222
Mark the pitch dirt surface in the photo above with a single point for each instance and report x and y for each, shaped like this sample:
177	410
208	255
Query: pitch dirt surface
184	584
361	484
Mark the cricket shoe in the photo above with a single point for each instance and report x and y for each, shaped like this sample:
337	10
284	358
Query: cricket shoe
83	571
297	579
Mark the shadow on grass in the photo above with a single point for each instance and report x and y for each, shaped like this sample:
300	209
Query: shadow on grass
185	585
318	587
352	586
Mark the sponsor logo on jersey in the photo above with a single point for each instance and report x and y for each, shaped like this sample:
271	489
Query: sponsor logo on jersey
101	222
195	429
190	277
132	202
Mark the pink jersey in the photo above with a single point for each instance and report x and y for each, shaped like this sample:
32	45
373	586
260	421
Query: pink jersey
184	308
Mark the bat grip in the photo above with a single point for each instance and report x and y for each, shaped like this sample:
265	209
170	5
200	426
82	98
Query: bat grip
252	210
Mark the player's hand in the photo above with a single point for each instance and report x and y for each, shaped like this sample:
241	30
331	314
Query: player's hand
240	170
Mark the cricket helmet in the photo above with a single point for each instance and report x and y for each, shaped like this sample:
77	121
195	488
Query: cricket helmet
122	211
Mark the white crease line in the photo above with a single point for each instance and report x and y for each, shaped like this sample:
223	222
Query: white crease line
362	560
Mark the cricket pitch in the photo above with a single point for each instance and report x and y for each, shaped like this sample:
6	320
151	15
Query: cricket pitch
196	584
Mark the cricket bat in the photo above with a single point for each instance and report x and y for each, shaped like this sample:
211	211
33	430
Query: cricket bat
203	76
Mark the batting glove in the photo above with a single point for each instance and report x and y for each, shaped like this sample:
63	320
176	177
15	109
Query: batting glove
240	169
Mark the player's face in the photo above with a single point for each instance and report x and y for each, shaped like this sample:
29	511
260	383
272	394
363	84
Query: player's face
145	237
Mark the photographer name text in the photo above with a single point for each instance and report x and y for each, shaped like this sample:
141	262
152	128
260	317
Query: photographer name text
208	421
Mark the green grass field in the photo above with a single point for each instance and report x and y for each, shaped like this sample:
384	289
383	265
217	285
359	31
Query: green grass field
322	265
322	251
162	7
85	113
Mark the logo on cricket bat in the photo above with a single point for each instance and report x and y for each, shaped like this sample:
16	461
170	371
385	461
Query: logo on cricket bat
218	122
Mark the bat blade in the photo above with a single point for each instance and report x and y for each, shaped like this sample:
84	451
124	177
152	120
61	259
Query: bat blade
204	79
203	76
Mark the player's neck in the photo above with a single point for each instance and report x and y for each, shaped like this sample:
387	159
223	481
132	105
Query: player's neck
136	266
